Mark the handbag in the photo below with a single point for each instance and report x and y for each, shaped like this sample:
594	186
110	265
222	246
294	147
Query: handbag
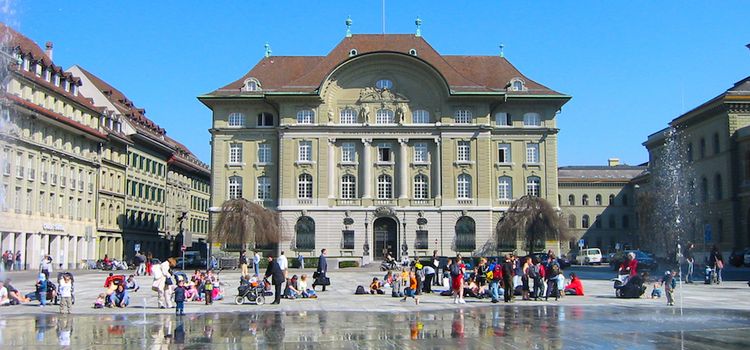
169	281
316	274
719	264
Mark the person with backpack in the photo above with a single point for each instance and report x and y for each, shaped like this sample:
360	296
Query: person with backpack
508	272
457	280
670	283
496	276
535	274
552	283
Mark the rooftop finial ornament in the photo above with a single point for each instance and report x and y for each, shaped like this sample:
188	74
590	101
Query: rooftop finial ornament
268	49
348	26
502	53
418	22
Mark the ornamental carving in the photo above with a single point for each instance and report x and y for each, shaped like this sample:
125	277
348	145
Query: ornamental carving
371	94
384	212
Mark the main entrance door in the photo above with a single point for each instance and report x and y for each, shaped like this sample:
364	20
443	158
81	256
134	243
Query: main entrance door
384	234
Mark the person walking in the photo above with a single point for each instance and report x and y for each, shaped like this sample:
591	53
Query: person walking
412	288
717	260
497	276
301	260
45	266
149	263
163	281
277	278
283	263
243	263
18	261
256	263
321	271
140	260
690	260
670	284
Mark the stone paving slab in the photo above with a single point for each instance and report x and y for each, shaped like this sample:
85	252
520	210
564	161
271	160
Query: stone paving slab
340	296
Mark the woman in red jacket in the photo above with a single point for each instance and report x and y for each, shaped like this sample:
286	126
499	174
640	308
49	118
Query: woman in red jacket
575	287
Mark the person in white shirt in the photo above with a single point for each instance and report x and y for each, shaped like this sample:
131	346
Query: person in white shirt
65	291
160	286
4	300
283	263
256	263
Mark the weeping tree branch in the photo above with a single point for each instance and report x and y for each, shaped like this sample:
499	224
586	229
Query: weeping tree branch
532	219
243	222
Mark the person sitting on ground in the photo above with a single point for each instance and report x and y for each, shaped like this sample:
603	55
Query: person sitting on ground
575	287
302	287
99	302
131	284
14	295
291	291
471	289
388	279
656	293
120	297
217	293
4	298
375	287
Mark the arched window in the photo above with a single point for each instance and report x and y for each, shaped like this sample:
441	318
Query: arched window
534	186
264	188
532	119
598	199
420	116
305	116
571	200
718	188
704	189
384	116
235	187
462	116
517	85
305	233
463	190
348	116
585	221
505	188
305	186
465	234
571	221
421	187
251	84
265	119
348	187
611	200
236	120
385	187
585	199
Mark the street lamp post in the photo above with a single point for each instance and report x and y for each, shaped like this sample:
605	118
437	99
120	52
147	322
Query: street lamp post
404	246
182	217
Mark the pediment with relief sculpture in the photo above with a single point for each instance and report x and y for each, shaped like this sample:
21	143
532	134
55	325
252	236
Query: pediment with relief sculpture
371	94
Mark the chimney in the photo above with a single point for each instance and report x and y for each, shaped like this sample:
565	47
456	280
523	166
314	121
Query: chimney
613	161
48	50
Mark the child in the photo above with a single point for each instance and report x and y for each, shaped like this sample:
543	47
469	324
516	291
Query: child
669	286
302	286
65	290
656	293
99	302
412	289
209	288
375	287
179	297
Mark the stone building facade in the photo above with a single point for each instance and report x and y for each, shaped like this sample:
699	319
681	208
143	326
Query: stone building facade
598	205
710	142
384	145
84	172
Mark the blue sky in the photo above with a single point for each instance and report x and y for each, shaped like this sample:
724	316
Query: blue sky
631	66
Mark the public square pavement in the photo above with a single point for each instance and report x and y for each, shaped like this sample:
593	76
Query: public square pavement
713	316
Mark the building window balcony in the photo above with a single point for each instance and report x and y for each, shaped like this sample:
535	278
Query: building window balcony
385	163
505	202
463	162
385	202
32	174
304	201
351	201
465	201
424	202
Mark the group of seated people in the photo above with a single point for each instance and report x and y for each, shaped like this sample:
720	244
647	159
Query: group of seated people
117	291
200	284
9	295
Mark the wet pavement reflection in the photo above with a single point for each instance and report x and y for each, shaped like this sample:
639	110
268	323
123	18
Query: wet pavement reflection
527	327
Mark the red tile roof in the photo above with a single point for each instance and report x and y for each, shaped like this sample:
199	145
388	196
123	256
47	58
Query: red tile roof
306	73
55	116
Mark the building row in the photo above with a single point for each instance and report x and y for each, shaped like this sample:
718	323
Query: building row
85	172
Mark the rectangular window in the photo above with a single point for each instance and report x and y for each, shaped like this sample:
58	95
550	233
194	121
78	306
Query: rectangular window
348	152
464	151
235	153
6	162
532	153
19	165
17	200
28	201
347	239
503	153
420	116
384	153
348	187
462	116
42	203
264	153
4	198
304	153
420	153
32	168
264	188
420	187
421	242
502	119
348	116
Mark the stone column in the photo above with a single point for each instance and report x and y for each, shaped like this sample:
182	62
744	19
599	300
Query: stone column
331	168
438	170
403	168
367	168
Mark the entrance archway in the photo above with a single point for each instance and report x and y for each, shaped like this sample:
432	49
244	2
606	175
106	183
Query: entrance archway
385	233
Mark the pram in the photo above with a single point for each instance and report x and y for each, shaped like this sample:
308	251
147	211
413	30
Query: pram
633	288
254	292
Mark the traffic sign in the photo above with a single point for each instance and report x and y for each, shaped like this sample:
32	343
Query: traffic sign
581	243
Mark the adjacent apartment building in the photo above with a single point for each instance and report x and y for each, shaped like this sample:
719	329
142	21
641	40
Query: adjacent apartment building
385	145
84	172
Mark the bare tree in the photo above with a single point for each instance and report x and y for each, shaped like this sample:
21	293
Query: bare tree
246	223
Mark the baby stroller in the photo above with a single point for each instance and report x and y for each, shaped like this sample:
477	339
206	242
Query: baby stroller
632	289
710	275
253	292
72	287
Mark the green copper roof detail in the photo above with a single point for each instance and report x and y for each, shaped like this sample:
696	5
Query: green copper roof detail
418	22
349	26
267	46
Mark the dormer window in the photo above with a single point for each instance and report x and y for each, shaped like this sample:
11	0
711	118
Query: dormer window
73	89
56	79
383	84
251	84
413	52
236	120
352	52
516	84
305	116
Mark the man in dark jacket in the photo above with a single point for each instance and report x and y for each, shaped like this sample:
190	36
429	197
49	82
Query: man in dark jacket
321	271
277	278
508	278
